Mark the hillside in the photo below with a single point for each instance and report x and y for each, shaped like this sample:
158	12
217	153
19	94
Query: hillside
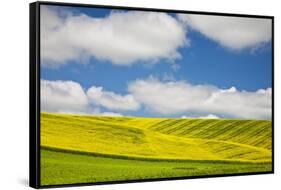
159	138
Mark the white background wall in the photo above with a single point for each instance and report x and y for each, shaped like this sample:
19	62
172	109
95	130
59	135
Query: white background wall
14	94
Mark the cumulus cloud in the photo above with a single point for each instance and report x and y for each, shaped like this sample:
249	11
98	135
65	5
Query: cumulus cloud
63	96
111	100
180	97
210	116
111	114
231	32
156	96
123	38
70	97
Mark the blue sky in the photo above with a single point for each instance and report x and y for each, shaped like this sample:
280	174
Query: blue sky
205	59
203	62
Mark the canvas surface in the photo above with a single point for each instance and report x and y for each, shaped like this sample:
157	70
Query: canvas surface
134	95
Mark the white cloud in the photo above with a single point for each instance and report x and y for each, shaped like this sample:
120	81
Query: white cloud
123	38
70	97
168	97
161	97
181	97
111	114
210	116
231	32
63	96
111	100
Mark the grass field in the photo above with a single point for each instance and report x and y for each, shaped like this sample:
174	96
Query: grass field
83	149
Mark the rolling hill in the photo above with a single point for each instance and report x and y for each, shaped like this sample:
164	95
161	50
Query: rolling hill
204	146
185	139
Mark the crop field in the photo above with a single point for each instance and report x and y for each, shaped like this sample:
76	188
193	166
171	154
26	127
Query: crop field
85	149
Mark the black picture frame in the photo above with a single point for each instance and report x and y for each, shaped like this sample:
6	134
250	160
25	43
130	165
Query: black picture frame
34	91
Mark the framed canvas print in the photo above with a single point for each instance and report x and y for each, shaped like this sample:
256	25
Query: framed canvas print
126	94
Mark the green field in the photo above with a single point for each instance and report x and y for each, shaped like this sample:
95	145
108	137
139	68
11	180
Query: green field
84	149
